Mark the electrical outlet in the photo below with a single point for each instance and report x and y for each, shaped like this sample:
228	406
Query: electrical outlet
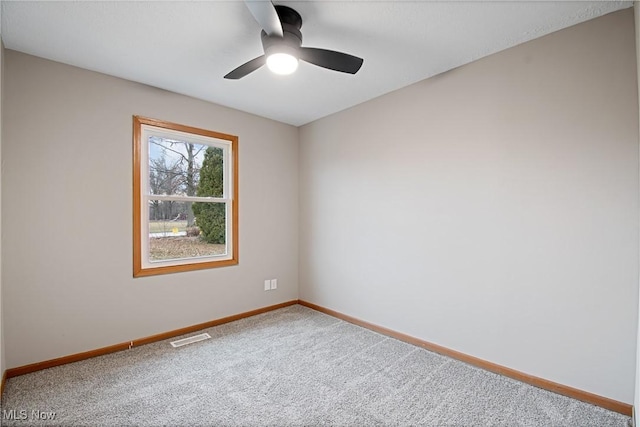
274	283
267	285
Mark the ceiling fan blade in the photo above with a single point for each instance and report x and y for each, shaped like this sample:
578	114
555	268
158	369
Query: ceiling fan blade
331	59
266	15
246	68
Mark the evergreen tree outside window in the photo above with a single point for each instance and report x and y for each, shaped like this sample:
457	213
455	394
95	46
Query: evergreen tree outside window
185	198
211	216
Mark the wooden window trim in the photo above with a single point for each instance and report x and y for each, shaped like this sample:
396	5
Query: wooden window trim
138	270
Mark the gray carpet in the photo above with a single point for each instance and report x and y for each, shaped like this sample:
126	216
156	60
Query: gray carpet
293	366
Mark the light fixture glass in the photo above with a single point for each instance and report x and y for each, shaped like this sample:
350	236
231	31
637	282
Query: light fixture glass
282	63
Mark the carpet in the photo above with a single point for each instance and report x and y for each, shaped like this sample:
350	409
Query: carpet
289	367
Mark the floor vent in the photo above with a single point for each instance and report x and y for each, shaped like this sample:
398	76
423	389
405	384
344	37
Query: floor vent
190	340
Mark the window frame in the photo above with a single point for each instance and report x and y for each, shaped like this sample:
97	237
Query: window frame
141	223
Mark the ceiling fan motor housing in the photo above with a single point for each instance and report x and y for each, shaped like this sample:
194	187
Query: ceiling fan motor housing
291	39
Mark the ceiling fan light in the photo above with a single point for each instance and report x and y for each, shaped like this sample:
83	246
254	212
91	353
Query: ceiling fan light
282	63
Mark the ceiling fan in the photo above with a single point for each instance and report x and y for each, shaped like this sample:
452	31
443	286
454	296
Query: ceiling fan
282	44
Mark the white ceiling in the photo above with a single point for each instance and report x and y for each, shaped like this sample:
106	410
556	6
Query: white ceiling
187	47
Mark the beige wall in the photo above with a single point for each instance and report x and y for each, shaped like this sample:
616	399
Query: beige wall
2	357
67	211
492	209
636	12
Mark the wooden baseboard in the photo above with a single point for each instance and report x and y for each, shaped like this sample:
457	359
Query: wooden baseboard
594	399
26	369
2	382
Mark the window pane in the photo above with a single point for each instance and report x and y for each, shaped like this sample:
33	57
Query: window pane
175	232
186	169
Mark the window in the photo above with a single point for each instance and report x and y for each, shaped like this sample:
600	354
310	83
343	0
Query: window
185	198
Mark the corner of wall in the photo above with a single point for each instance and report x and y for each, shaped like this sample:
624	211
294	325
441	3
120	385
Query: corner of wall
2	358
299	140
